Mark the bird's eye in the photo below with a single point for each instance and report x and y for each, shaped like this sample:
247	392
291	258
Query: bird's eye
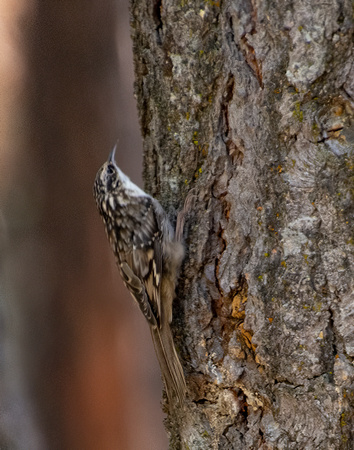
110	170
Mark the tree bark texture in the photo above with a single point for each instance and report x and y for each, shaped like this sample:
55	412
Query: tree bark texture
251	104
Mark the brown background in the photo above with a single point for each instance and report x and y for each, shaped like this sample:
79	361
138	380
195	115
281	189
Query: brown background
77	364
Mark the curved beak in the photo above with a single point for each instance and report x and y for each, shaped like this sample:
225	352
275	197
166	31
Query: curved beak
112	154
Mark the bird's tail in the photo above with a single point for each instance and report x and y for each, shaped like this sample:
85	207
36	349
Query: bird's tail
170	365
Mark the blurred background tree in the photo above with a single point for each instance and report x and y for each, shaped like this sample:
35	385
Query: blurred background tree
77	366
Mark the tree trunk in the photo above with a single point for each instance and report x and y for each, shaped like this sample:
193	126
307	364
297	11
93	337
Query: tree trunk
250	104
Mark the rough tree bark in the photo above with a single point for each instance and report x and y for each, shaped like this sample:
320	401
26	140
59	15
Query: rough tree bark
250	103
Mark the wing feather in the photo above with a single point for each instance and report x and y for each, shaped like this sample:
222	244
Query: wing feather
141	266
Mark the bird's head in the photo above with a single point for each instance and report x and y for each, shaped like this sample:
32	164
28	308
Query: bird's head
108	182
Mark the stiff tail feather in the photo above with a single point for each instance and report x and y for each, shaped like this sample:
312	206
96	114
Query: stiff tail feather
170	365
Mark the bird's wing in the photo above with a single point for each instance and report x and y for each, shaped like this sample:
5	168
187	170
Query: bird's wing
141	267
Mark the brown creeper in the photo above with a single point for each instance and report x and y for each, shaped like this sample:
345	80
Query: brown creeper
149	258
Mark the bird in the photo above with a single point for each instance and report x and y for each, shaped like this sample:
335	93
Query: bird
149	254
